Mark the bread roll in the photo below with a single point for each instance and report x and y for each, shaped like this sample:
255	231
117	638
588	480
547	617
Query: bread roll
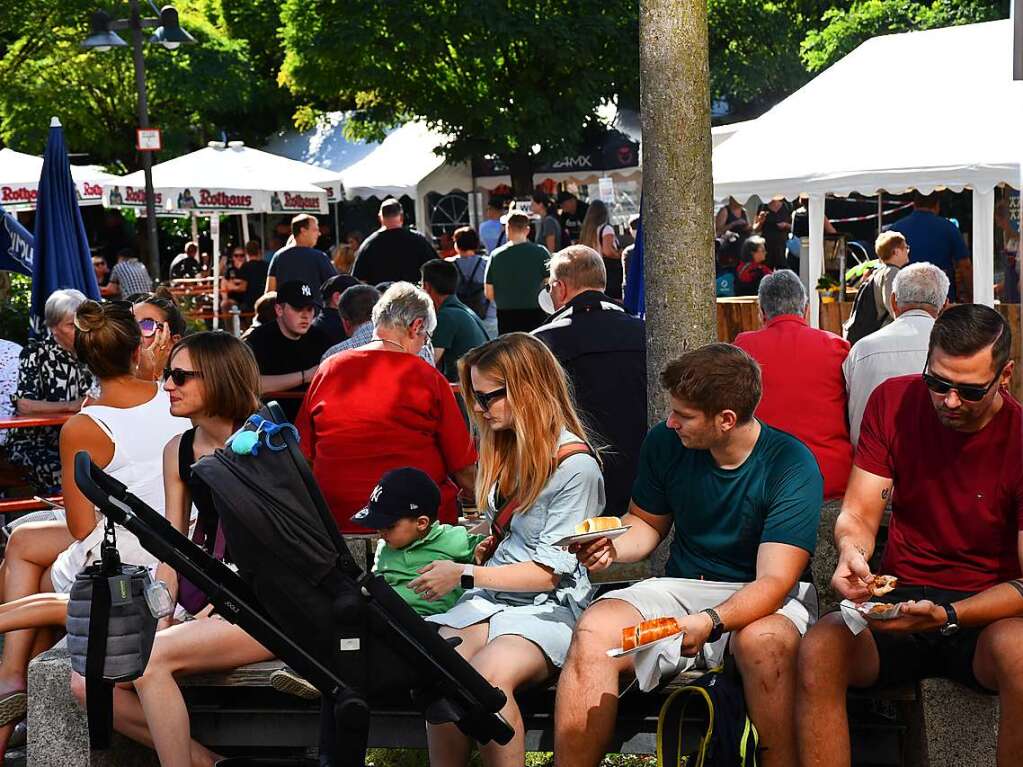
882	584
648	631
597	524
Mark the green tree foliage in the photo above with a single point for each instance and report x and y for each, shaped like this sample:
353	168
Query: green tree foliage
195	92
846	28
499	78
754	51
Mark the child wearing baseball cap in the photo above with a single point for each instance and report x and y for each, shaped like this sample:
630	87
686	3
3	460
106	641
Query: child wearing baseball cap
403	508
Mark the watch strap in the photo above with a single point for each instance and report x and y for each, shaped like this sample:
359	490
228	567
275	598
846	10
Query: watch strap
717	627
468	580
952	618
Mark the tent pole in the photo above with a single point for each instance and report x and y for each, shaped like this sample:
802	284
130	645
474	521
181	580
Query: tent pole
984	247
815	215
245	228
880	212
195	227
215	236
337	224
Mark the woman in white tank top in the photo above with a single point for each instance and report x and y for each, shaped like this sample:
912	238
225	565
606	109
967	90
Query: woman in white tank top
124	432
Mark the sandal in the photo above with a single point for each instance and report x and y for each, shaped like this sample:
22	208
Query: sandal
13	706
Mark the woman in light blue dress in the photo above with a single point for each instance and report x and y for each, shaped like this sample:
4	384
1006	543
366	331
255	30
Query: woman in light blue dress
537	479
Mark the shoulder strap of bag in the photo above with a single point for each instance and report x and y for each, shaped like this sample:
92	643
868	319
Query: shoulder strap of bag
99	693
499	527
479	262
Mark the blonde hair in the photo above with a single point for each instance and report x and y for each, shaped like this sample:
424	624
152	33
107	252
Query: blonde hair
520	460
595	218
886	243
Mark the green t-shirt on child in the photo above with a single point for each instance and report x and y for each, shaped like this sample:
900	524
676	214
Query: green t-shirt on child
399	566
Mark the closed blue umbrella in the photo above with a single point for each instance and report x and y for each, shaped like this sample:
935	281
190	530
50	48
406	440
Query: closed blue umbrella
16	245
62	257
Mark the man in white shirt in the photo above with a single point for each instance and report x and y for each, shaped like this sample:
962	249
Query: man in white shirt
920	292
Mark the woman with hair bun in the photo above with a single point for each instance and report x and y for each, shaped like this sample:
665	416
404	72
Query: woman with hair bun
124	431
537	479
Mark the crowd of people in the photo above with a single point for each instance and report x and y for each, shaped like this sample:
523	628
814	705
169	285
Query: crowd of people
515	384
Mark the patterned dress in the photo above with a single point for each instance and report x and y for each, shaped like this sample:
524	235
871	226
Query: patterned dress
48	373
10	353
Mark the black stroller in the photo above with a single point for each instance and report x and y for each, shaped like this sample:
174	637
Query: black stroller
299	592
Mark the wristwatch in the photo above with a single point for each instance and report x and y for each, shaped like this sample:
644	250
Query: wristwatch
468	579
718	628
951	621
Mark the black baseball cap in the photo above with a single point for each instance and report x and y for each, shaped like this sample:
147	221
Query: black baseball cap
297	294
400	494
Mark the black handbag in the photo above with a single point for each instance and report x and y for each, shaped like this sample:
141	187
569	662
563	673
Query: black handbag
110	631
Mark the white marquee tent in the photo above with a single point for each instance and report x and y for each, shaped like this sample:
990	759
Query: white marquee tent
230	178
920	110
19	181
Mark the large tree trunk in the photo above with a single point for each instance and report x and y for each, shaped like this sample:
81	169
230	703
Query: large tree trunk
678	232
520	168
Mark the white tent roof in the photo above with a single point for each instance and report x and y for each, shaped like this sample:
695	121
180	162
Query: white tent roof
231	179
323	146
19	180
397	165
919	110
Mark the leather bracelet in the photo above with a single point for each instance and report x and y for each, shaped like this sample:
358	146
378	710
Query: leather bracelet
302	373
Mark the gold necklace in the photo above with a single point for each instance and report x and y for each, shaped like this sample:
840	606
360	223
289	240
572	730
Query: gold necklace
392	343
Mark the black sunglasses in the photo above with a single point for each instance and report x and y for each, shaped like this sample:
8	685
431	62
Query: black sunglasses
486	399
966	392
180	377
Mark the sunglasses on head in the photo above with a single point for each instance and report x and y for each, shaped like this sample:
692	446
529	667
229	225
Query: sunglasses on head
180	377
149	327
486	399
966	392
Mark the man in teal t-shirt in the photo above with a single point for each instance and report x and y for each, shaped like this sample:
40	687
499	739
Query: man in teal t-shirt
515	276
744	500
459	329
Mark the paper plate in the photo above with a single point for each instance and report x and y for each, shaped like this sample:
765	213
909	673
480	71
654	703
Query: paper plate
890	611
618	652
568	540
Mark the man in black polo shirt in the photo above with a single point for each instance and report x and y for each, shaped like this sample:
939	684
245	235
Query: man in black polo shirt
288	351
603	350
392	253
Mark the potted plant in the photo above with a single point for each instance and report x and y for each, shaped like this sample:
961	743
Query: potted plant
828	288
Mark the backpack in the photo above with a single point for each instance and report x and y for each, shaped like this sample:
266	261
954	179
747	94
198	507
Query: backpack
722	734
471	293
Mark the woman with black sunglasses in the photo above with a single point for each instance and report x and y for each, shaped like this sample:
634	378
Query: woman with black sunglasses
123	431
537	479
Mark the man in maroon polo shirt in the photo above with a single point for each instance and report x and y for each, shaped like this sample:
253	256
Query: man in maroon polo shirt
947	449
804	388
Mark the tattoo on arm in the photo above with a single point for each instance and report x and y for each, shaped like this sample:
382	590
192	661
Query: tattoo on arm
863	551
886	494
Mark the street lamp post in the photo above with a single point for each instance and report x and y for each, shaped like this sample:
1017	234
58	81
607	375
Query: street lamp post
169	34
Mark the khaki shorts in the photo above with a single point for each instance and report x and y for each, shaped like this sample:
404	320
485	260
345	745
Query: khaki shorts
676	597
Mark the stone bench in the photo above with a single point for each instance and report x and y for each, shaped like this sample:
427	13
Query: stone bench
938	723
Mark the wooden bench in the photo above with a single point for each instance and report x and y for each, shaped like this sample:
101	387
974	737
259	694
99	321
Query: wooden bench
935	723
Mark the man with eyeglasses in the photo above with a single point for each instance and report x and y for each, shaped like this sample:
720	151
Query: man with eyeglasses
946	448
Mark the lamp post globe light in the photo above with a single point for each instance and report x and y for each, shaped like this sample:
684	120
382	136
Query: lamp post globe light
167	32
